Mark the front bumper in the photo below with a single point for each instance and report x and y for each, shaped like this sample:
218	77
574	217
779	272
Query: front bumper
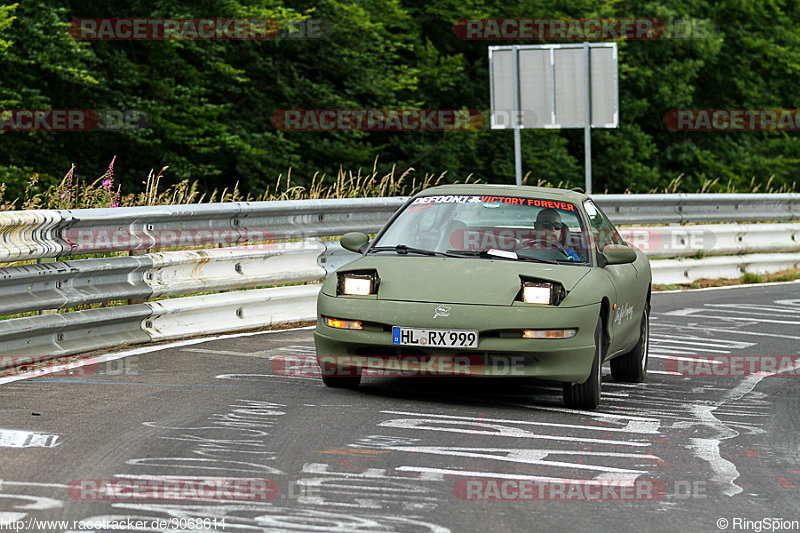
498	352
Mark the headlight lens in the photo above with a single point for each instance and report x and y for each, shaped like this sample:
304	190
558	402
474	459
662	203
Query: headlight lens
358	283
357	286
540	291
537	293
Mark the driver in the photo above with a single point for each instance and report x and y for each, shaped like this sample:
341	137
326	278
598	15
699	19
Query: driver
549	227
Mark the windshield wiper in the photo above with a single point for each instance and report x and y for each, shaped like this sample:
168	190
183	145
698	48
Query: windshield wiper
568	262
402	249
501	254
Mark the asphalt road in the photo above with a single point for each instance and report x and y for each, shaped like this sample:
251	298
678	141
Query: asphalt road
403	454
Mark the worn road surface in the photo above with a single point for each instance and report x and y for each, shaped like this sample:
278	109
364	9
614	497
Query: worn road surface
237	434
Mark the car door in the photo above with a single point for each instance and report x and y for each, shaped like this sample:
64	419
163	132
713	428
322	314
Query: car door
623	327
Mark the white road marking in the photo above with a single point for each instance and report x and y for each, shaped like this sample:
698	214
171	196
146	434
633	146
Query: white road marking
621	480
665	372
791	303
217	352
165	477
31	484
529	456
717	343
10	518
690	359
737	332
14	438
631	427
299	349
136	351
748	312
725	471
756	307
617	394
38	503
683	312
494	430
248	376
625	385
732	318
645	421
688	351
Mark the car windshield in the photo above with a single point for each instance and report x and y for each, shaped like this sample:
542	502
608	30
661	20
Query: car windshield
496	227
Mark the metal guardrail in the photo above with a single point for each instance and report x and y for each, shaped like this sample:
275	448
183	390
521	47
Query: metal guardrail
699	208
231	311
713	239
61	233
674	271
64	284
28	234
223	269
69	333
84	231
70	283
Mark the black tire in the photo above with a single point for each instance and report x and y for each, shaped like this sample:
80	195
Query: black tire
586	395
346	380
632	367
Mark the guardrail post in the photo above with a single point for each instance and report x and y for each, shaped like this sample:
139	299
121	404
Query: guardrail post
134	301
47	260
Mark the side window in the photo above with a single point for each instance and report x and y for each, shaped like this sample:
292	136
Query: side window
602	229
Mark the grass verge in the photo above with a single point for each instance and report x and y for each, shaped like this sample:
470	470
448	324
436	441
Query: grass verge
748	278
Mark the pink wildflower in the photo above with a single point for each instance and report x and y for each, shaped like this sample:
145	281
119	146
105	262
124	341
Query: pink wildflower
115	203
68	182
109	175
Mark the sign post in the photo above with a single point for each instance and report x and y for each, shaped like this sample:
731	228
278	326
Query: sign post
554	86
516	119
587	127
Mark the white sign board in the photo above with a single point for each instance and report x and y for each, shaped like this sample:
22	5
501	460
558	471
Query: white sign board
552	86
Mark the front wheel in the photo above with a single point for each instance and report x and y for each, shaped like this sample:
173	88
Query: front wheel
586	395
632	366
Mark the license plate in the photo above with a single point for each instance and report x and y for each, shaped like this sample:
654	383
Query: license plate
439	338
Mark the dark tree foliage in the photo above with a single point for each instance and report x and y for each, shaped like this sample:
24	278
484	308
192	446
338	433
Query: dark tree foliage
208	103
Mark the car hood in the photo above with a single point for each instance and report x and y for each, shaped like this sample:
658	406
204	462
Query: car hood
460	280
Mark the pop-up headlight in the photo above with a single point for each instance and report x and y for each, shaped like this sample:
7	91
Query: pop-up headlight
358	283
541	292
537	293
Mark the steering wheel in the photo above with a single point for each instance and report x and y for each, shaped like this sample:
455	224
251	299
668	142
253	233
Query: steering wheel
552	244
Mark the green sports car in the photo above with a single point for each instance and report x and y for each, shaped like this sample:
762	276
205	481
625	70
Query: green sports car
489	280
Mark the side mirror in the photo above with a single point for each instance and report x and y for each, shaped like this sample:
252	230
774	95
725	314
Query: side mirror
353	241
618	254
